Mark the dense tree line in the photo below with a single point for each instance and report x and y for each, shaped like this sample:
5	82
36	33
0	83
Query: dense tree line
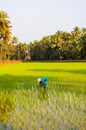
59	46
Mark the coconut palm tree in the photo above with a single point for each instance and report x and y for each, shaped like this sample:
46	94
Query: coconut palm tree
82	44
5	32
75	35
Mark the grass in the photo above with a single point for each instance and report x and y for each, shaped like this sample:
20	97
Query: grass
24	105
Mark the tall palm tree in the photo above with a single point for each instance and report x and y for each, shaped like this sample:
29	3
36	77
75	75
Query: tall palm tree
82	44
75	35
5	32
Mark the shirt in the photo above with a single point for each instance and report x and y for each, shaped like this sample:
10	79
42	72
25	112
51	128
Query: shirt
44	80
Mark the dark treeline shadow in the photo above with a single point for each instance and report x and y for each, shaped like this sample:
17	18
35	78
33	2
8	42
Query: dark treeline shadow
11	82
17	82
78	71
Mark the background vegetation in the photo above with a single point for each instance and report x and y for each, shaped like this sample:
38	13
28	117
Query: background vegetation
58	46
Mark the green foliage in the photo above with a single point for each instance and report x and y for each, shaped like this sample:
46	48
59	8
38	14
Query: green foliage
60	46
4	33
62	105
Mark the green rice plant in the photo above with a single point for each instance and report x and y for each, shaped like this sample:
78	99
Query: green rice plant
24	105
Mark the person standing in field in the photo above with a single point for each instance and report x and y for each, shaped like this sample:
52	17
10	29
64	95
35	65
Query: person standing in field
42	81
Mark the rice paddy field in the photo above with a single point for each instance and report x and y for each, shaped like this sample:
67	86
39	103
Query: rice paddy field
26	106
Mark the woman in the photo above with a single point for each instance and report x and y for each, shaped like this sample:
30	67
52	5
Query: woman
42	81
